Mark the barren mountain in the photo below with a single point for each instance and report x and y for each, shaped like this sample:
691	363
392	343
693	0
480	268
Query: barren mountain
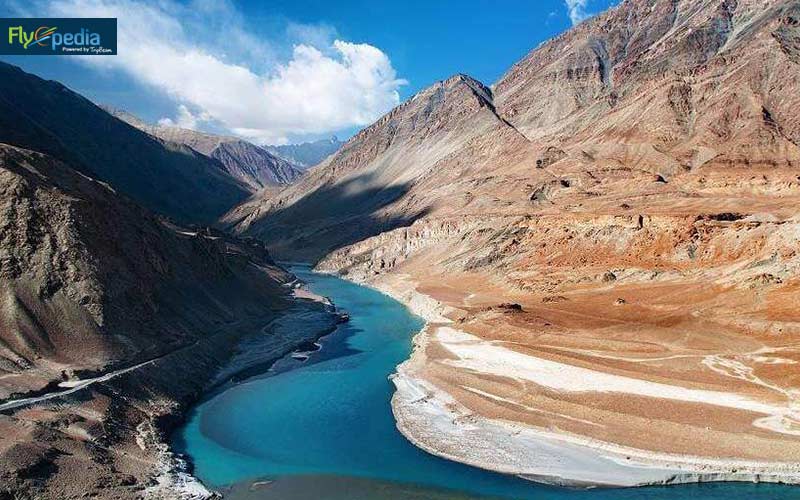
168	178
307	154
99	295
367	187
604	243
252	165
255	165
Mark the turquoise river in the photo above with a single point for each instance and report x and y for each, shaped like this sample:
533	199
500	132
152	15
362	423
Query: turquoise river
322	428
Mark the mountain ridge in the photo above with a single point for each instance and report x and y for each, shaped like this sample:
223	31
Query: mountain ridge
167	178
457	107
251	164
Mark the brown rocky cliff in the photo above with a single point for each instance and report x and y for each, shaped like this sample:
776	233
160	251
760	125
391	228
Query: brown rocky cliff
92	285
682	66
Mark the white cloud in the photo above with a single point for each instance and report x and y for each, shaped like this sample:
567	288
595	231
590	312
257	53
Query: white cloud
179	50
352	87
186	119
577	11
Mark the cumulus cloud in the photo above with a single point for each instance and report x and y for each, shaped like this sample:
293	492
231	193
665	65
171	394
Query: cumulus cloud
322	92
577	11
237	80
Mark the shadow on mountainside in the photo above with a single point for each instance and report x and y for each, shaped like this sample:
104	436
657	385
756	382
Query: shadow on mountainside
167	178
334	216
90	279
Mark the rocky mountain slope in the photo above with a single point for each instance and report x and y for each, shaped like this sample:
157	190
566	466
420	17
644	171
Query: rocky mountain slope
168	178
94	286
367	187
90	280
254	166
620	206
307	154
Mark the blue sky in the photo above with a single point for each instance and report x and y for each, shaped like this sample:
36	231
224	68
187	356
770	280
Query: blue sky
288	70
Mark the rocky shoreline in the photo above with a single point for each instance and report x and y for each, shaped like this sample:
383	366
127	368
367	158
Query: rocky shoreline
140	409
175	479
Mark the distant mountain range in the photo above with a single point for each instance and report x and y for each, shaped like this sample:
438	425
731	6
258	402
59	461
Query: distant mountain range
251	164
307	154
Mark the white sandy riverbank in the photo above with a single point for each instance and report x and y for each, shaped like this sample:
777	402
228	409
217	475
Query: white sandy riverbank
434	421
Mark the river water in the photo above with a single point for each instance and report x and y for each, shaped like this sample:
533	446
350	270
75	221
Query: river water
321	428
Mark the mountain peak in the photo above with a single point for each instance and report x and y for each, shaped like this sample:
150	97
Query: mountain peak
455	84
480	90
588	70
